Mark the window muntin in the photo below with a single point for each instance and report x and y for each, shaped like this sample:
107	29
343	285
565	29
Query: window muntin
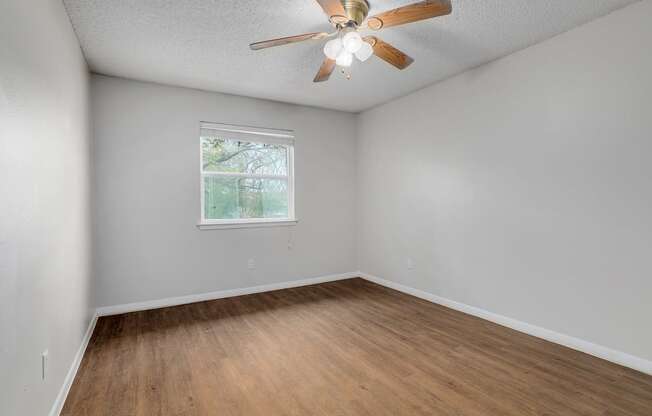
246	174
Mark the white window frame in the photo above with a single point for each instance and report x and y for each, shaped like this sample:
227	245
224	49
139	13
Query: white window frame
252	135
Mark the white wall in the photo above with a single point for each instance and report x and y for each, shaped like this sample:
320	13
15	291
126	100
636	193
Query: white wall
523	187
45	280
146	153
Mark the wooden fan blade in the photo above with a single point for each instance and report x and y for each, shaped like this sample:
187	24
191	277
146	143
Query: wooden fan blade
332	7
388	53
284	41
325	70
410	13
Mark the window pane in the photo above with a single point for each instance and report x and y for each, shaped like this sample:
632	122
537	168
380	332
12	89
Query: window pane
233	198
223	155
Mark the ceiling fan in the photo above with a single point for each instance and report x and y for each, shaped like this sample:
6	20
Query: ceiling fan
348	18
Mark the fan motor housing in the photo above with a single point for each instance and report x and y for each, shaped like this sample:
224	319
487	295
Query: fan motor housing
356	10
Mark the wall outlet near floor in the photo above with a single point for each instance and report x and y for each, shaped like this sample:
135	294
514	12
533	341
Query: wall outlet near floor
44	364
251	264
410	264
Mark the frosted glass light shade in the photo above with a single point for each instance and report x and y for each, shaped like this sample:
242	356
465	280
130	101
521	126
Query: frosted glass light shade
364	52
344	59
333	48
352	42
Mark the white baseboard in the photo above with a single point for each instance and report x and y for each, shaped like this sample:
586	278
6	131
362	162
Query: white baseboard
70	377
608	354
587	347
182	300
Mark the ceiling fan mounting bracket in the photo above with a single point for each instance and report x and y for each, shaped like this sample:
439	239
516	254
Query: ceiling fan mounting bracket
338	20
356	10
374	23
372	40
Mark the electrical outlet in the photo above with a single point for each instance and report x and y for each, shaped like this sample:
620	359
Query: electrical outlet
410	264
251	264
44	364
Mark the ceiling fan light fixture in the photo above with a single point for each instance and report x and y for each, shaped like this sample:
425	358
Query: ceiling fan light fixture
344	59
348	17
364	52
333	48
352	41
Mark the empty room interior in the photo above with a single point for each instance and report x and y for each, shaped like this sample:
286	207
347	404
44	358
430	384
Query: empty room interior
326	207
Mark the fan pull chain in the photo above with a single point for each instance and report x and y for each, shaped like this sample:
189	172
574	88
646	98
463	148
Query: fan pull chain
347	75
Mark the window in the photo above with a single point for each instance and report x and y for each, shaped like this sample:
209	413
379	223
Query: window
246	176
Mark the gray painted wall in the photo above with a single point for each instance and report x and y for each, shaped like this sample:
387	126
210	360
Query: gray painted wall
147	195
45	279
523	187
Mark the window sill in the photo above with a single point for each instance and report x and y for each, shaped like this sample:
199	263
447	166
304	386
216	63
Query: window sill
222	225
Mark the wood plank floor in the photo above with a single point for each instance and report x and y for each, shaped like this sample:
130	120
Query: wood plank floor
342	348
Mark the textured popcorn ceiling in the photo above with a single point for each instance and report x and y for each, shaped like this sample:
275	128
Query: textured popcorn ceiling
204	44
